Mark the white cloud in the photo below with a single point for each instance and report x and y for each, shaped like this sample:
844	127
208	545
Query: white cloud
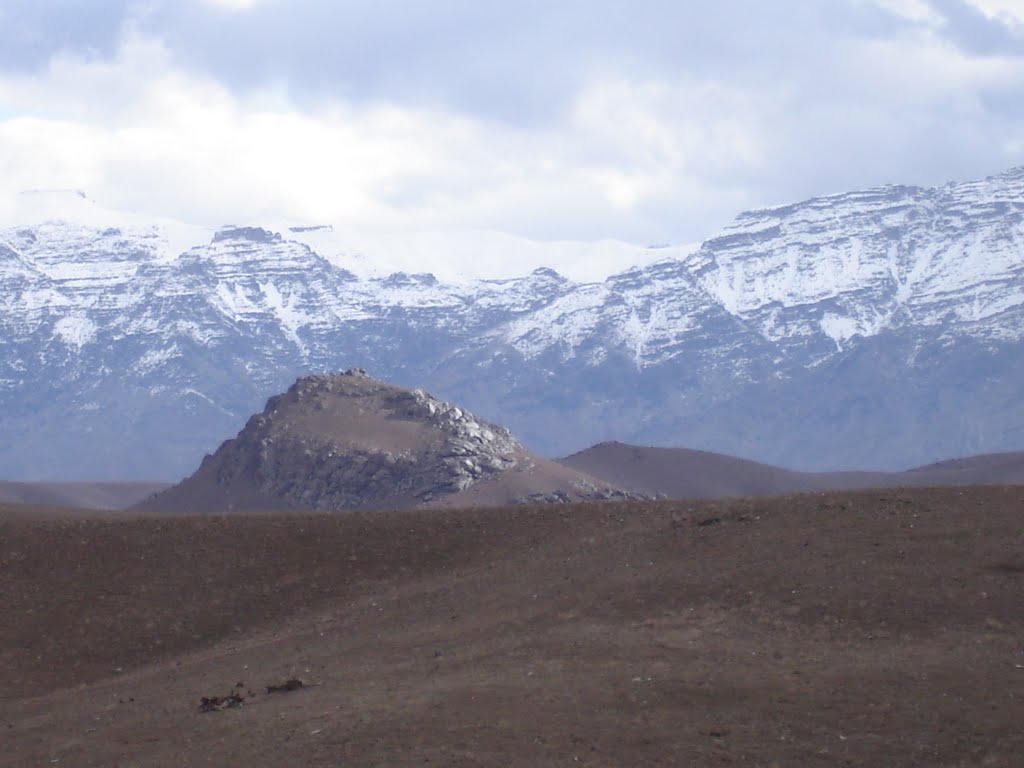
920	11
135	132
1009	12
661	157
235	5
929	70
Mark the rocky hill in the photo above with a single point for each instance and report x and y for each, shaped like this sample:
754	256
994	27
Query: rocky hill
348	442
879	329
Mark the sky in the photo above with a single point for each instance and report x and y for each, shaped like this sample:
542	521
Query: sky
649	121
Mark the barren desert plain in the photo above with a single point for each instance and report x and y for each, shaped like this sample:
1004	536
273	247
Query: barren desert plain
866	628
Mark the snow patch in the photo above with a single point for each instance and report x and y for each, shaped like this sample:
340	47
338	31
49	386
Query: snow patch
838	328
566	322
154	358
636	333
201	396
75	331
290	318
234	302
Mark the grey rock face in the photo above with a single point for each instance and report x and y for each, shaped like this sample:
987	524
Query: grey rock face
876	329
348	441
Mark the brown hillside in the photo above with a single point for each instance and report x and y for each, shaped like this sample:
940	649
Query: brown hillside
683	473
987	469
688	474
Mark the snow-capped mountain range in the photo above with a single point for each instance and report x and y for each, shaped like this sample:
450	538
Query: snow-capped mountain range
875	329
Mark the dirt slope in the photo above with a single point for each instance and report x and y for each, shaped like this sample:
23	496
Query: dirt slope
684	473
842	629
987	469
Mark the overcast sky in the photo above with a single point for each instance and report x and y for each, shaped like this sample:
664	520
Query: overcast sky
653	121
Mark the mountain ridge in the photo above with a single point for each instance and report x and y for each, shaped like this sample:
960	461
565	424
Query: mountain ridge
878	329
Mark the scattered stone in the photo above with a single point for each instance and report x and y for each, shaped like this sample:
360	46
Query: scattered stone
217	703
288	685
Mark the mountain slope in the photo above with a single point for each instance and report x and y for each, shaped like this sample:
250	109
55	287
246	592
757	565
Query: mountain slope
878	329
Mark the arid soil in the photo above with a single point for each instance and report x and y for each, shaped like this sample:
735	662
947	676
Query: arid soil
881	628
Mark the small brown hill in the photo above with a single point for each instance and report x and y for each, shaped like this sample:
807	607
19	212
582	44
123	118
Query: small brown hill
685	473
682	473
348	441
83	495
987	469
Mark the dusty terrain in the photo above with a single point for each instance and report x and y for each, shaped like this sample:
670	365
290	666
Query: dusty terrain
83	495
843	629
686	473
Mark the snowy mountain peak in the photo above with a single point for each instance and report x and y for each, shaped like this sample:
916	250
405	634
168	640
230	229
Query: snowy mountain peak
850	316
866	261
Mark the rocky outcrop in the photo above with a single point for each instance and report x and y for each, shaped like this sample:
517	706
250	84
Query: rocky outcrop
348	441
324	471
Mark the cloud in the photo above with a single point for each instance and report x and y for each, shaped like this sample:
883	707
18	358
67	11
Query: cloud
551	121
34	30
234	5
920	11
113	127
137	132
1009	12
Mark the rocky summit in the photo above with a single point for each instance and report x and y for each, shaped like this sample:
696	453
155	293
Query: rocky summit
348	441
